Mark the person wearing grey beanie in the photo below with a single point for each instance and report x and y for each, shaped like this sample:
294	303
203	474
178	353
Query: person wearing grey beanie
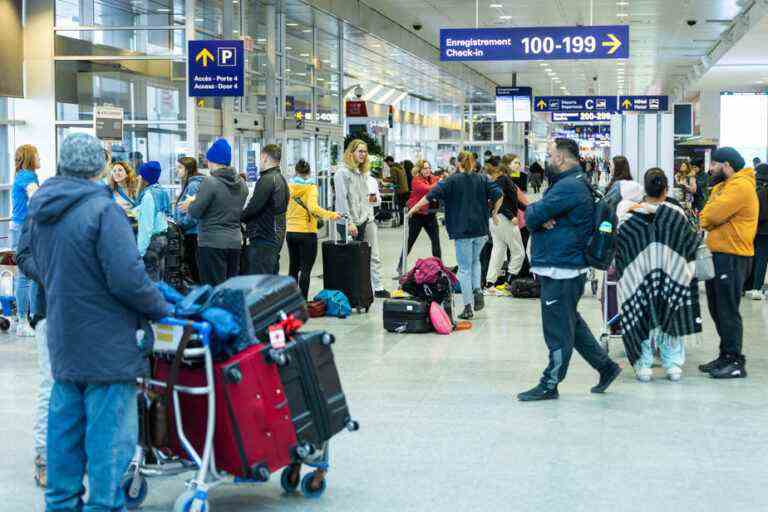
97	296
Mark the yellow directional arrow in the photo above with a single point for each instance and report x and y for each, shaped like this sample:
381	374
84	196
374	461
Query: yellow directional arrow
206	56
626	103
614	44
541	104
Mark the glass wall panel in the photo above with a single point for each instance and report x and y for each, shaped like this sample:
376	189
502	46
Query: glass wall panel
142	143
148	90
298	71
120	43
119	13
298	98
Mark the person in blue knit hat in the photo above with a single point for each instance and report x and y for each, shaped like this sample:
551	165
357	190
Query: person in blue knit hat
97	294
217	205
152	213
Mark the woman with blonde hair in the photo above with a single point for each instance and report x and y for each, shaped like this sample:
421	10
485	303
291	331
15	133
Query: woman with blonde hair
354	200
124	184
25	183
466	196
426	218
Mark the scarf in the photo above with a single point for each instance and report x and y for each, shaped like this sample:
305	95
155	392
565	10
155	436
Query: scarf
128	199
655	259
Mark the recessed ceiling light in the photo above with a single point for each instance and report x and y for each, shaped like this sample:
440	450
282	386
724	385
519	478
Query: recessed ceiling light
622	3
307	30
505	17
495	6
622	15
291	24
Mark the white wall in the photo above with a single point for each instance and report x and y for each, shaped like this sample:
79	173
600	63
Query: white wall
709	114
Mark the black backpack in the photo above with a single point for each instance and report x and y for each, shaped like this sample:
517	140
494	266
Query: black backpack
762	197
601	247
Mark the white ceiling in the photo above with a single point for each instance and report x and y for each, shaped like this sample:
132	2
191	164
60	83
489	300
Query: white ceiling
663	48
745	66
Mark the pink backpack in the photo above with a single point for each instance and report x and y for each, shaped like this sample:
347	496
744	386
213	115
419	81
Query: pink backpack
440	320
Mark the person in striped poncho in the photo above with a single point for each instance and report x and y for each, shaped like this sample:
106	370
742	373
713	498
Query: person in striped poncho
655	259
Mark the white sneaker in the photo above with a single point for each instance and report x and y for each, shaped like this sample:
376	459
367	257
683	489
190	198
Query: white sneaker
644	374
675	373
755	294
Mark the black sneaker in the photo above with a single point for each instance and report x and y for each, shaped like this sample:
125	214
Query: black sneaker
479	299
540	392
382	294
707	368
606	378
467	314
733	367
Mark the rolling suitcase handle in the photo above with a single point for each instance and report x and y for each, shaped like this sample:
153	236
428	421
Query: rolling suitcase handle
335	235
404	251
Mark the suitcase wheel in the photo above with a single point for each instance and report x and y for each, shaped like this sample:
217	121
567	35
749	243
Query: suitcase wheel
134	494
290	479
190	498
313	484
604	342
353	426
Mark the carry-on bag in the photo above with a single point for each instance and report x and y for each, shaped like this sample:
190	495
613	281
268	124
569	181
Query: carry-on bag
254	434
258	302
313	389
406	316
525	288
347	268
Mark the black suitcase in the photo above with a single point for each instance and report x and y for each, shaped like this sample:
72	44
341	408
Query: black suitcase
525	288
406	316
258	302
174	259
347	268
313	389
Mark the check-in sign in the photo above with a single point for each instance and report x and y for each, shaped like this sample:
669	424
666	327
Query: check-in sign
216	68
534	43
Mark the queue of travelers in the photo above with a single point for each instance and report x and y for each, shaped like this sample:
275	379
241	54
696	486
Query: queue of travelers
91	241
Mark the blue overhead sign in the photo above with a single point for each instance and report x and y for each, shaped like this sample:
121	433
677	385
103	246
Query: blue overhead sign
534	43
644	103
575	104
586	117
216	68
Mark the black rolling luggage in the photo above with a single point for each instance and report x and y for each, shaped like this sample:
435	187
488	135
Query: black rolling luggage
258	302
406	316
347	268
525	288
313	389
174	259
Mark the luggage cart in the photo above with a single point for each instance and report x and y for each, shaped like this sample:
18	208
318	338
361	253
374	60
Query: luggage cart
606	335
150	461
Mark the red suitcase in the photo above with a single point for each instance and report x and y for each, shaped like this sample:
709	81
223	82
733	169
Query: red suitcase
254	433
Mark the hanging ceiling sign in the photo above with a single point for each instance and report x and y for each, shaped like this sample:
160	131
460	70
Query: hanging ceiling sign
575	104
108	123
216	68
513	104
586	117
535	43
644	103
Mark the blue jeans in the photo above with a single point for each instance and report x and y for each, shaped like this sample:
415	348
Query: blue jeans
26	288
93	427
468	258
672	354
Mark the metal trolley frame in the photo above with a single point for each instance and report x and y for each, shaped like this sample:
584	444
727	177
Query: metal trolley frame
206	475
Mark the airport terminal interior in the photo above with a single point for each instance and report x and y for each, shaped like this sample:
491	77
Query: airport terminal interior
484	113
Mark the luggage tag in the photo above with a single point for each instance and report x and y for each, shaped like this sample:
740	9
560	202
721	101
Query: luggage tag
277	336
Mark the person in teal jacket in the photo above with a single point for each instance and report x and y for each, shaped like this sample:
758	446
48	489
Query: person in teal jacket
153	211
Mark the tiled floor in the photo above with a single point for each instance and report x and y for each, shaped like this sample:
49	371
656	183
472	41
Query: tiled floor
441	429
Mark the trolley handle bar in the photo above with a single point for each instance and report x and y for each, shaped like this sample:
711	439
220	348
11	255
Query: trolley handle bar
204	328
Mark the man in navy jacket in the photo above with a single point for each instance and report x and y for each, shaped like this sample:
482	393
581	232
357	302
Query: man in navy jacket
98	297
561	224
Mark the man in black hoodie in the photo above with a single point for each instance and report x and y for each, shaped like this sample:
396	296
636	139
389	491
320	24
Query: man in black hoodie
218	204
264	217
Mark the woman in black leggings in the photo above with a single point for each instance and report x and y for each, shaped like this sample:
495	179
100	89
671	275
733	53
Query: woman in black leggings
301	220
426	218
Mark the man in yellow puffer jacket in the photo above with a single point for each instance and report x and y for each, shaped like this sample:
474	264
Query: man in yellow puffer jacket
730	216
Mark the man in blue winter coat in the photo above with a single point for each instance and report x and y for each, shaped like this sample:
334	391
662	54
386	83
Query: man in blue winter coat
561	224
98	296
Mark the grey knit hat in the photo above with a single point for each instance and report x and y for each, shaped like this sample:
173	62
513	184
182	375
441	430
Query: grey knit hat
81	156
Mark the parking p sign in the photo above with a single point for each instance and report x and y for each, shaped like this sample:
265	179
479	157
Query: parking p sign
216	68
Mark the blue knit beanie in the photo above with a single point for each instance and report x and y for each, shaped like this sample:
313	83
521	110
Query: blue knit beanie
81	156
220	153
150	171
730	155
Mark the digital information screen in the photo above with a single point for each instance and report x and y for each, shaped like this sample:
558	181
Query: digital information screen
513	104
